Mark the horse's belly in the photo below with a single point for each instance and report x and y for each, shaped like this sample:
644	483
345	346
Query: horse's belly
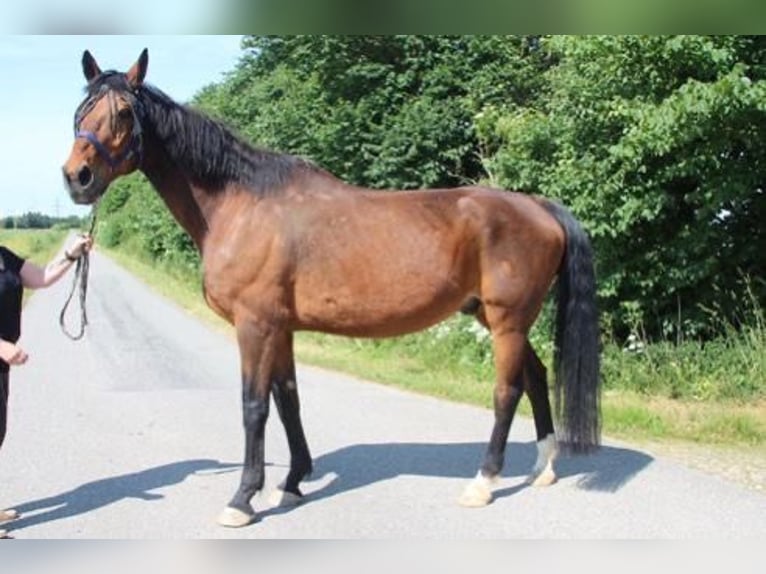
389	311
378	275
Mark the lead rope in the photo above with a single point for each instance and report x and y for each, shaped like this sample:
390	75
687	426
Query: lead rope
81	277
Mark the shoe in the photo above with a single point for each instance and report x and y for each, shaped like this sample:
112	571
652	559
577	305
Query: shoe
9	514
4	534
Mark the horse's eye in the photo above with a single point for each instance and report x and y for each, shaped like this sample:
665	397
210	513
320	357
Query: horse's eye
125	113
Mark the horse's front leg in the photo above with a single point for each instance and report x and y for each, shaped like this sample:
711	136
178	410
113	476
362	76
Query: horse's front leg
259	349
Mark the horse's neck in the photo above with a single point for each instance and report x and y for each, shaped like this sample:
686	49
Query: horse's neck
193	209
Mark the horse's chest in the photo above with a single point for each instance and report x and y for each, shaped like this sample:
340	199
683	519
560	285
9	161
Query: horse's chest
222	284
217	299
249	284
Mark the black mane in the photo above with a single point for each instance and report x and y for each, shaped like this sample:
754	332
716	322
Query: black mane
208	151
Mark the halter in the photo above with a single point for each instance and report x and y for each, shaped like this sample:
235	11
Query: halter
134	147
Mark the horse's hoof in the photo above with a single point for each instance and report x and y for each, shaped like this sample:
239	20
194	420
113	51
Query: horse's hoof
9	514
477	493
544	478
284	499
475	496
543	473
235	518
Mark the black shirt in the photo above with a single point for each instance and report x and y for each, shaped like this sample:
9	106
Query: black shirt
11	292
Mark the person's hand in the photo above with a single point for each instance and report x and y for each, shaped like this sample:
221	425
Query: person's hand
12	353
80	245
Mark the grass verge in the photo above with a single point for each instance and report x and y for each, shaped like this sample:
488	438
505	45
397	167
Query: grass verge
627	414
38	245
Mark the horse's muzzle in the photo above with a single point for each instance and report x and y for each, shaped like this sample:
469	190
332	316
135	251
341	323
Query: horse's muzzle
82	185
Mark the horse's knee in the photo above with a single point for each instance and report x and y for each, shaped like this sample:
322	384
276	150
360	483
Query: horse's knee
254	413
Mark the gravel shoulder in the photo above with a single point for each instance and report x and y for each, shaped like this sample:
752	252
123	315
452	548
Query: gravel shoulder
745	466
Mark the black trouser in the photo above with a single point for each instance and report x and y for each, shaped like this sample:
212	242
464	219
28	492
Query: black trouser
4	389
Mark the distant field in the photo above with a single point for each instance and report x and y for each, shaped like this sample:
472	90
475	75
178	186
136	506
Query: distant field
37	245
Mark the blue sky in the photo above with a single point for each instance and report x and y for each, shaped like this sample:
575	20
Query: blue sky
42	84
89	16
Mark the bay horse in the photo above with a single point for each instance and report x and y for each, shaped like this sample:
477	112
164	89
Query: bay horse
286	246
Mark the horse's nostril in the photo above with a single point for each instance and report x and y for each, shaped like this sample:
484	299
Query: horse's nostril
85	176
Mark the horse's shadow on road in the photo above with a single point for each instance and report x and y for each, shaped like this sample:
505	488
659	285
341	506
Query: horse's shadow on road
350	468
106	491
358	466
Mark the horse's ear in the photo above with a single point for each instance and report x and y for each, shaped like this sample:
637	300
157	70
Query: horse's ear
137	73
89	66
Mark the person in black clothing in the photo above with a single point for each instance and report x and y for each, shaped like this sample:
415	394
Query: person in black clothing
16	273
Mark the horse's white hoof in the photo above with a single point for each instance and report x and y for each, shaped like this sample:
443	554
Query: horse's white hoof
543	473
475	496
281	498
235	518
477	493
8	515
544	478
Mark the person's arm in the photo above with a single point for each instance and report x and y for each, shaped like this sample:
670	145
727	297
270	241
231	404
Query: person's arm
35	277
12	354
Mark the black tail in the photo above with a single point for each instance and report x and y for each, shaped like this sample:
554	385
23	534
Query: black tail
576	354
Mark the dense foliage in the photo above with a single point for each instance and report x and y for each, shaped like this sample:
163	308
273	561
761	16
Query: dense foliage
657	144
36	220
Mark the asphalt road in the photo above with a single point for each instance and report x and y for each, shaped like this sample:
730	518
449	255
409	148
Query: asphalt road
135	432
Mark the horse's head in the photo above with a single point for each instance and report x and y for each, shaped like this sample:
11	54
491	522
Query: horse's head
107	125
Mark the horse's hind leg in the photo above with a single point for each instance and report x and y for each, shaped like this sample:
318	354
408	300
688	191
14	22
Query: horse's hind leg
509	347
285	393
536	387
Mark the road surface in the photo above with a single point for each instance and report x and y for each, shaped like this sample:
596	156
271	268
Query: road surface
135	432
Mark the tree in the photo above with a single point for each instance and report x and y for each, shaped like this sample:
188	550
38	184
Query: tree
34	220
658	145
380	111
